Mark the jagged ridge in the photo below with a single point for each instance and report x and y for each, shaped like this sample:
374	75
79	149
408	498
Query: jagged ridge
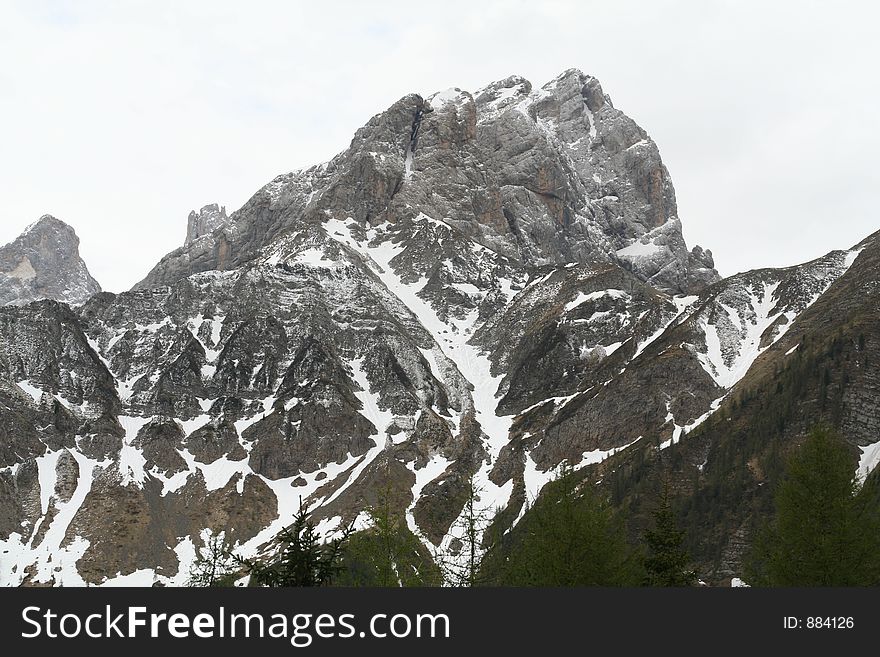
483	284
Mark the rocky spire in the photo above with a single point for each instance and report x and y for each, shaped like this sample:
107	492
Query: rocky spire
44	263
204	222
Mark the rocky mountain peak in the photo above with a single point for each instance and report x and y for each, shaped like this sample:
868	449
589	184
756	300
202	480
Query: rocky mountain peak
508	87
204	222
44	263
47	224
482	287
544	176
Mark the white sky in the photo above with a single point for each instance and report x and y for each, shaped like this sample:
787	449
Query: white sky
121	117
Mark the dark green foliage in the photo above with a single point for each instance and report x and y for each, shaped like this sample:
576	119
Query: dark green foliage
824	530
386	554
571	537
297	557
666	562
742	457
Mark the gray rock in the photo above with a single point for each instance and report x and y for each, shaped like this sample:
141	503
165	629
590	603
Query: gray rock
204	222
66	476
44	263
544	176
483	286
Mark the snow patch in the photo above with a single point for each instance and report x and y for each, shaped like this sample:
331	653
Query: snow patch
380	419
314	258
46	476
730	353
640	250
470	361
35	393
582	298
131	460
599	455
424	476
453	95
591	119
143	577
50	560
679	430
869	460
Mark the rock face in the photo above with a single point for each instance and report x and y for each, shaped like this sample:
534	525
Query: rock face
204	222
44	263
544	177
482	286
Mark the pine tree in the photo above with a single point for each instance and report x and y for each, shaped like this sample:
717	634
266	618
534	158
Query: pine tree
298	557
386	553
572	537
463	566
214	565
823	533
666	563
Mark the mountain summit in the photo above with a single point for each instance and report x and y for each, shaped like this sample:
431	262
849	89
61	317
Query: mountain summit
482	288
543	176
44	263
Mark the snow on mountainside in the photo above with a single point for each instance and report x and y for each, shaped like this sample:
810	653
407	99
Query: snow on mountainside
483	285
753	310
44	263
305	372
798	348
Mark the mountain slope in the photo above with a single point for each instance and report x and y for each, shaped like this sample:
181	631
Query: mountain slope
819	371
482	286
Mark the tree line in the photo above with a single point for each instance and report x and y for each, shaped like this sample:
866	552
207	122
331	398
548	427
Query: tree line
824	530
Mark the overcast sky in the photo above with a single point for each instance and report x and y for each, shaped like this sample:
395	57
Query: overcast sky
121	117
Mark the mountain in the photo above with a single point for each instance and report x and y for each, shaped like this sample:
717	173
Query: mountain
483	285
543	177
819	370
44	263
